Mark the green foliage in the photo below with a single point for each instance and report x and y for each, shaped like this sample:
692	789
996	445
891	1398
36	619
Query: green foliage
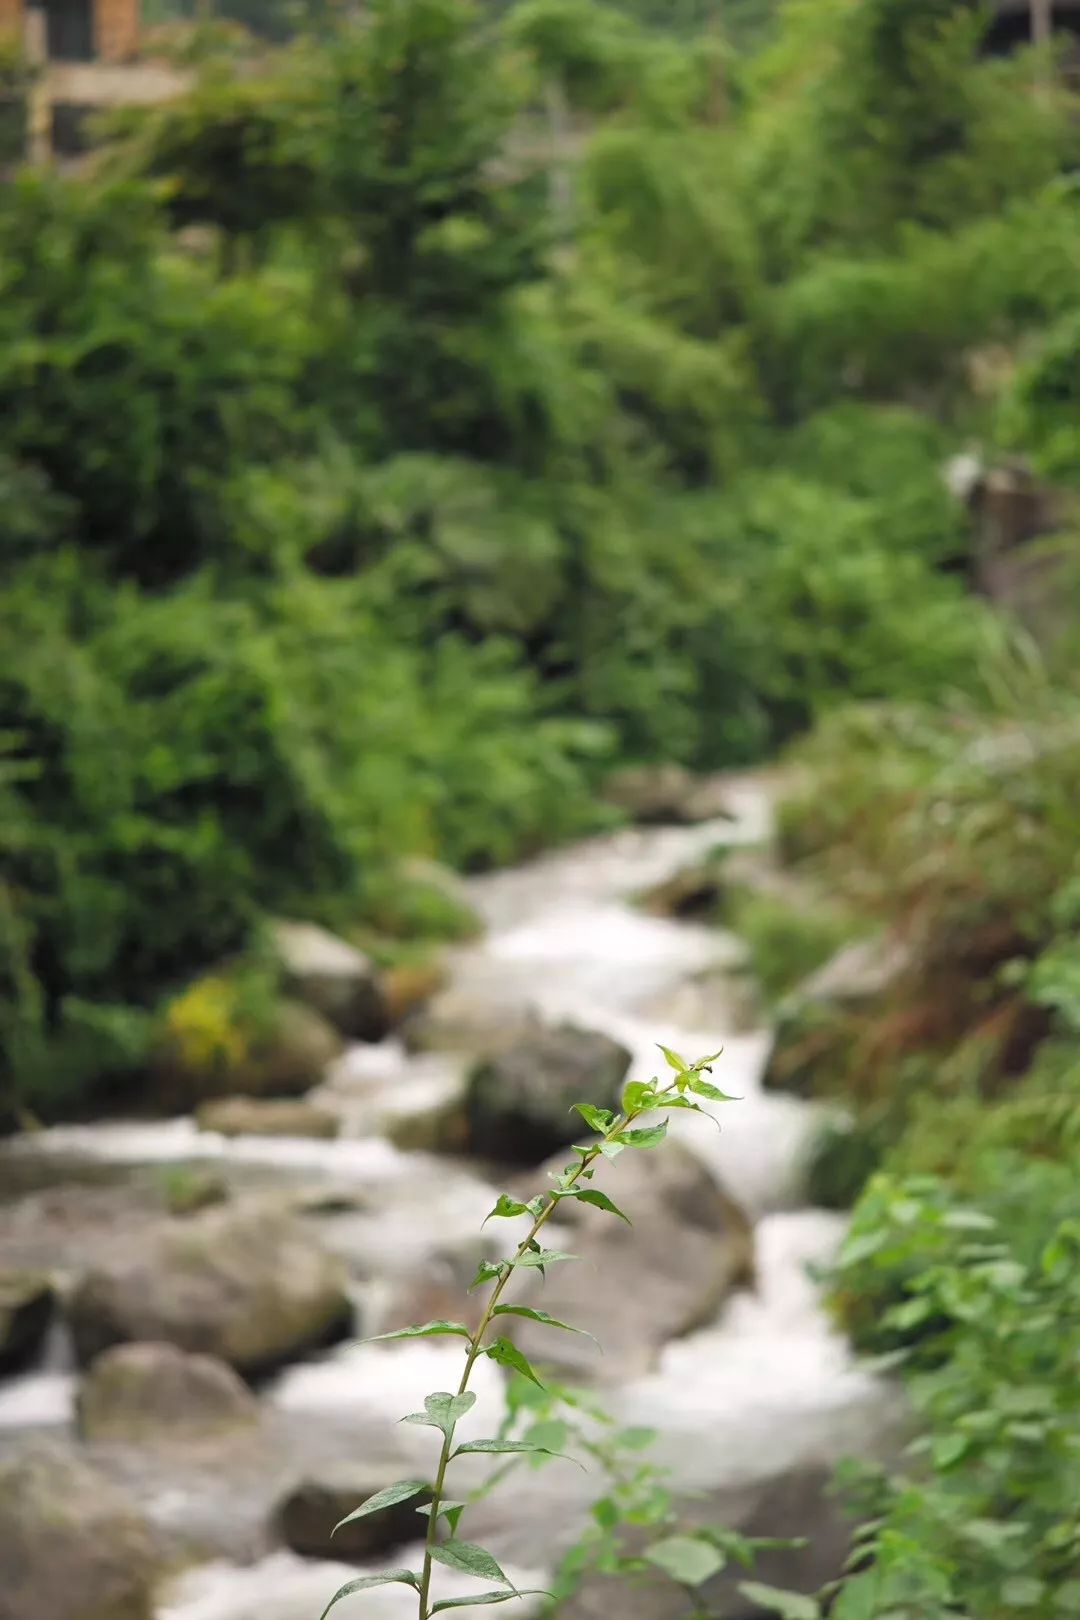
784	945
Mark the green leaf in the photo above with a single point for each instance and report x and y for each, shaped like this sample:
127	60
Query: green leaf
507	1354
442	1411
428	1330
705	1088
599	1120
488	1597
506	1448
389	1577
542	1316
637	1095
509	1207
788	1605
645	1136
472	1560
400	1492
612	1149
489	1271
686	1559
674	1061
449	1510
542	1257
598	1200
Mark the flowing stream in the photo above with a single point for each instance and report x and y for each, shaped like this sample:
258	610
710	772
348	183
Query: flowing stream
764	1393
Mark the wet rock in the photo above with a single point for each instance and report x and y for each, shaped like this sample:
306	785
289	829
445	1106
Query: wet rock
334	978
518	1102
250	1286
695	891
285	1061
156	1391
26	1307
188	1188
442	899
465	1018
71	1543
308	1514
636	1287
667	793
261	1116
407	986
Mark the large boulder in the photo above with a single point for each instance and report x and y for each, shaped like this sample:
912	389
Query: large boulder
519	1102
265	1116
250	1286
637	1287
26	1307
334	978
196	1059
71	1544
138	1391
308	1513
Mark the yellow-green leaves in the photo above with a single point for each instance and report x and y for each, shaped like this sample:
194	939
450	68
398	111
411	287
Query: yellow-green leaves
508	1207
507	1354
690	1560
598	1200
599	1120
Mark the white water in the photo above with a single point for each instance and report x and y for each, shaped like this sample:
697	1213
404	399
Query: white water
767	1388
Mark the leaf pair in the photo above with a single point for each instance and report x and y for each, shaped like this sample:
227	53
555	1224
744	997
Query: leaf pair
442	1411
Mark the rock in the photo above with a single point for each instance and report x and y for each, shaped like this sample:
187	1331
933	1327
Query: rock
290	1059
464	1018
636	1287
188	1188
858	973
261	1116
333	977
818	1024
309	1512
518	1102
140	1391
26	1307
695	891
659	793
250	1286
407	986
71	1544
439	900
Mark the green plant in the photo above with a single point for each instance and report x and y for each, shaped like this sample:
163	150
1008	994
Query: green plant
689	1560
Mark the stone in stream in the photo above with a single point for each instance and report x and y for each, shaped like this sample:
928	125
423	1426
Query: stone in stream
637	1287
287	1060
137	1392
308	1513
266	1116
71	1544
519	1101
667	793
251	1286
27	1300
333	977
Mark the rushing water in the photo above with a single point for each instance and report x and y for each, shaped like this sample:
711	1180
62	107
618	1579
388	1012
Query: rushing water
766	1389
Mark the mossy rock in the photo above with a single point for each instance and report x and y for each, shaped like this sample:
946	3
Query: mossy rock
136	1392
207	1048
519	1101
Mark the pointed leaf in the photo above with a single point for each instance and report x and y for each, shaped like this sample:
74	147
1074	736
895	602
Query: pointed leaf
469	1558
543	1257
674	1061
686	1559
507	1354
645	1136
426	1330
488	1597
384	1499
612	1149
506	1448
442	1411
446	1507
598	1200
542	1316
489	1271
788	1605
390	1577
507	1207
705	1088
599	1120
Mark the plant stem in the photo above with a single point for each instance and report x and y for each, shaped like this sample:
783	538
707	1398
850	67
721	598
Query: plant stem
623	1122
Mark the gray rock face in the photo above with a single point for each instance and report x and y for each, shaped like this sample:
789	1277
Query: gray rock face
263	1116
334	978
637	1287
71	1544
139	1391
518	1102
26	1308
249	1286
309	1512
